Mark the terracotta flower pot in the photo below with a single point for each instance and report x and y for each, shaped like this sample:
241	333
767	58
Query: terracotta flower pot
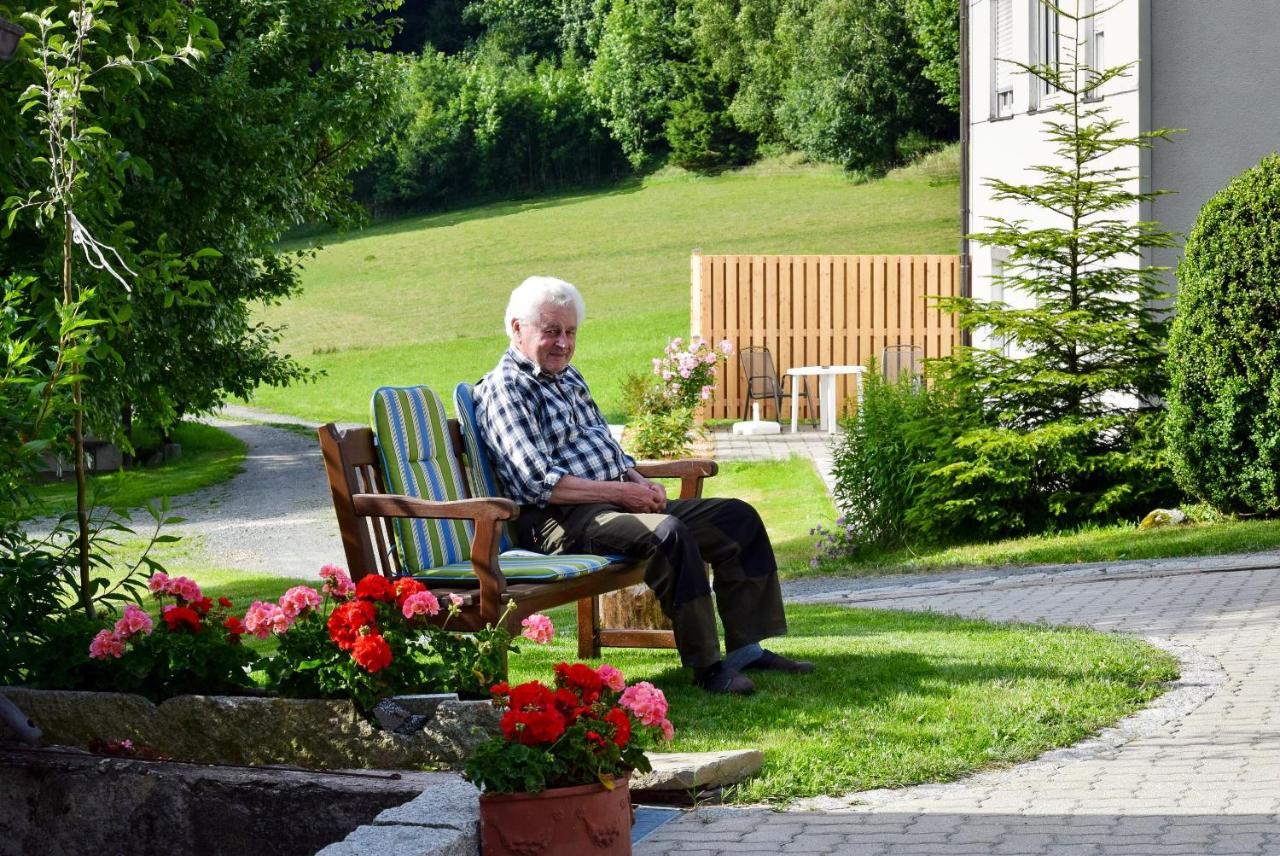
584	819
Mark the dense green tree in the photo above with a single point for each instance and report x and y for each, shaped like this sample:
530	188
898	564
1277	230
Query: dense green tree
1224	350
633	76
936	27
261	137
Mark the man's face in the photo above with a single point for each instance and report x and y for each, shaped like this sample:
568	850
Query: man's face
550	340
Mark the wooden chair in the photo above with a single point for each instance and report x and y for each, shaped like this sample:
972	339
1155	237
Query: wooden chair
366	512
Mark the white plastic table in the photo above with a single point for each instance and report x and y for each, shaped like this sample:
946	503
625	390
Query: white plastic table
826	392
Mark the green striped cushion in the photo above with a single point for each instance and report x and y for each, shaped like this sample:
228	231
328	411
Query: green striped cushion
521	566
417	460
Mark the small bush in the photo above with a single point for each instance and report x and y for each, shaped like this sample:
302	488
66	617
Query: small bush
876	466
1224	350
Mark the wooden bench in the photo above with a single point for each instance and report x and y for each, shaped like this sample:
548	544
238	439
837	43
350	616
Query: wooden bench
365	511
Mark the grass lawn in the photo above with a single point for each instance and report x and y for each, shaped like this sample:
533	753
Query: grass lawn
420	299
1101	544
209	456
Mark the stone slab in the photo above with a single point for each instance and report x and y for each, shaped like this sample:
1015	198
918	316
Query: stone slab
682	771
449	803
405	841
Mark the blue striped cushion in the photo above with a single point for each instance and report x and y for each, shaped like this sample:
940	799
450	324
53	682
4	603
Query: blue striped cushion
475	455
522	566
412	434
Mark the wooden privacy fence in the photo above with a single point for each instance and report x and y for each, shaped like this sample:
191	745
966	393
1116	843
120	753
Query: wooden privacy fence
819	310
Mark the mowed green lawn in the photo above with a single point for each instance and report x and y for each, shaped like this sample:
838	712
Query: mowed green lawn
420	299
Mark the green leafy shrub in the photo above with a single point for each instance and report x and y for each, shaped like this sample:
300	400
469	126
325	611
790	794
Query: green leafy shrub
877	466
1224	350
660	434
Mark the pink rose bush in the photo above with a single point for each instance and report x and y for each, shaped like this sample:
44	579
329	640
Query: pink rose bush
685	377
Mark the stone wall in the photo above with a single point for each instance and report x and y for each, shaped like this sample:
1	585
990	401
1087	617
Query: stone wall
61	801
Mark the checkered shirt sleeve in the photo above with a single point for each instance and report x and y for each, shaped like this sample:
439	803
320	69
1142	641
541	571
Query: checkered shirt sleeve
539	428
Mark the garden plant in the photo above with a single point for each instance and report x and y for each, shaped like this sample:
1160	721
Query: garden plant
663	408
1224	351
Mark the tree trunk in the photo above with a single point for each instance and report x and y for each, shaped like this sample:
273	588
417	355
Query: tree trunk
634	607
77	437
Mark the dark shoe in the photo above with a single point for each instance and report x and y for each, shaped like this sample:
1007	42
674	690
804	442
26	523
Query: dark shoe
778	663
719	679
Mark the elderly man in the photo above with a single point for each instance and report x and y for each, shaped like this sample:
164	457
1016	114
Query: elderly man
579	491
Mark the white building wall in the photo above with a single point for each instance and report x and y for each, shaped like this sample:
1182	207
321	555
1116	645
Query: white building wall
1214	72
1006	148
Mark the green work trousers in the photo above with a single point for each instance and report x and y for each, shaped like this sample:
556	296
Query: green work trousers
725	533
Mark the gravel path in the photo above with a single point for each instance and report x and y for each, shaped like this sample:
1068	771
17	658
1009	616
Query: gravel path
275	517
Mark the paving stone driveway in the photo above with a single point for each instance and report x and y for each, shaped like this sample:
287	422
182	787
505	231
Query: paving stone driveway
1205	781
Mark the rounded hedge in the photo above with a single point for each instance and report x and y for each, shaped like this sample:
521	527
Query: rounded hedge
1224	350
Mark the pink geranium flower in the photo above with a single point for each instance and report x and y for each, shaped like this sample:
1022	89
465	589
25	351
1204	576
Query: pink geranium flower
612	678
135	620
262	619
668	730
299	599
646	701
159	582
420	603
106	644
184	588
538	628
456	599
337	582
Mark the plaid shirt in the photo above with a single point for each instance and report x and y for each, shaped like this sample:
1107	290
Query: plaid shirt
539	427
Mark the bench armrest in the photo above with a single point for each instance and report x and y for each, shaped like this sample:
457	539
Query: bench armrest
480	510
486	513
691	472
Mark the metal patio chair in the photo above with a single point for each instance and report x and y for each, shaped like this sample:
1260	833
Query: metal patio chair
763	382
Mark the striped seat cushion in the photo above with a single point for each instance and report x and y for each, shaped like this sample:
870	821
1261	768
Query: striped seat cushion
412	434
475	456
522	566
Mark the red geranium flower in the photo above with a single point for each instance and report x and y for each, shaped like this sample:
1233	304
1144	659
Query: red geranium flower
224	602
580	677
203	605
178	617
235	628
347	620
404	587
500	689
374	587
621	725
532	727
530	696
372	652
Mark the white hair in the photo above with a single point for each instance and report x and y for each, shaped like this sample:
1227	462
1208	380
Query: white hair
537	291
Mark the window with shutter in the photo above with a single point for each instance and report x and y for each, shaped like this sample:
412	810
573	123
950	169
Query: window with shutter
1002	70
1049	47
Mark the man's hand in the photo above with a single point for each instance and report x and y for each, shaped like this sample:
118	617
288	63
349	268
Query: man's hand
647	498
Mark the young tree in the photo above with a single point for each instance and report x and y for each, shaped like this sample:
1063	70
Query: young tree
1068	388
78	175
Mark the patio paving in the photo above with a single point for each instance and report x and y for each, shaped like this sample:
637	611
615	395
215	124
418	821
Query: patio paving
1199	774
